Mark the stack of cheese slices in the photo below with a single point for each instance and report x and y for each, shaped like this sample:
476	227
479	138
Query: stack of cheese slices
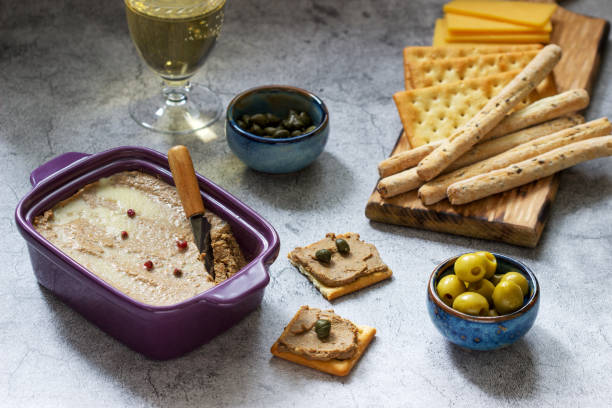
492	21
480	136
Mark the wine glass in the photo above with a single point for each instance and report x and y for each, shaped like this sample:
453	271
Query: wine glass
174	38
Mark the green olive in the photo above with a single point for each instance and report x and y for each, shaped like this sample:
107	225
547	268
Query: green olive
470	267
296	133
507	297
490	261
310	129
493	313
241	124
323	255
343	246
495	279
449	287
519	279
281	133
246	119
483	287
322	328
471	303
260	119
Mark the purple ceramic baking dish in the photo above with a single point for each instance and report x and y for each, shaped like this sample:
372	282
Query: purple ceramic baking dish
159	332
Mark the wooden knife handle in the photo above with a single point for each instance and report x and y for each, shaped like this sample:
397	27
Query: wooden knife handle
185	180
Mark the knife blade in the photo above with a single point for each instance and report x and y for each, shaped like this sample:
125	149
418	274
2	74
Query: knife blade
189	191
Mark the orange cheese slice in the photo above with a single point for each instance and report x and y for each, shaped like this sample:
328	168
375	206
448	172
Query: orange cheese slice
499	38
440	33
460	24
443	38
516	12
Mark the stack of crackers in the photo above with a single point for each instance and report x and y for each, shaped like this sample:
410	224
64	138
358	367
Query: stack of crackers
483	120
445	87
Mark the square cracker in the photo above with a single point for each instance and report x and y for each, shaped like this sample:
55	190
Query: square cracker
434	113
330	292
340	368
418	54
443	71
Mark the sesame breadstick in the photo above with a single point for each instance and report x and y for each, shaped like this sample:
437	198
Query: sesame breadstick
406	159
540	111
399	183
489	116
436	190
530	170
536	113
407	180
499	145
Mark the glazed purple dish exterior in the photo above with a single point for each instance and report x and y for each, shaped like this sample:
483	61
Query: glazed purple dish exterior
159	332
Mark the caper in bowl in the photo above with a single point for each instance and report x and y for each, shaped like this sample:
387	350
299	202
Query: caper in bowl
277	129
270	125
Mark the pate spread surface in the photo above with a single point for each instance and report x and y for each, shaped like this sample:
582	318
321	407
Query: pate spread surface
299	337
88	227
363	259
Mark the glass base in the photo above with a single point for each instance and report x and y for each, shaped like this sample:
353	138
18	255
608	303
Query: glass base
177	109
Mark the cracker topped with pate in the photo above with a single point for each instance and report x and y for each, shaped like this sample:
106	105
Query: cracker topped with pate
340	264
322	340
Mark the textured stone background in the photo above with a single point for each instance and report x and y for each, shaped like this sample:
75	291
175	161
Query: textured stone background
67	69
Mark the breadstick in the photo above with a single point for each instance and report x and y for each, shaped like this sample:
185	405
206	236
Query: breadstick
399	183
530	170
488	117
405	160
408	179
540	111
435	190
499	145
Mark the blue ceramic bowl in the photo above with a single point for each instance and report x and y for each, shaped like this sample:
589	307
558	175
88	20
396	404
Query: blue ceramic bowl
277	155
483	333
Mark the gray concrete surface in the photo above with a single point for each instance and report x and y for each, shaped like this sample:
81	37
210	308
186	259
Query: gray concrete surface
67	69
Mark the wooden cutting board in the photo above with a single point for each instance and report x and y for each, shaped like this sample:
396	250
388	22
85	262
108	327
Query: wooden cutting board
517	216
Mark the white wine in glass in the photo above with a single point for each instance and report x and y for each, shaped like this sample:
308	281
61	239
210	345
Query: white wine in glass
174	38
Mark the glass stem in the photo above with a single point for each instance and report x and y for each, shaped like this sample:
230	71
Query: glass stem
176	92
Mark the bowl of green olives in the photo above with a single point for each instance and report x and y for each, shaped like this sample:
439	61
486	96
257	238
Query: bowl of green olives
483	301
276	128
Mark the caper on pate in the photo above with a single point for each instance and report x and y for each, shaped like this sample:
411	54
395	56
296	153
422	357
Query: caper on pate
342	268
322	340
300	336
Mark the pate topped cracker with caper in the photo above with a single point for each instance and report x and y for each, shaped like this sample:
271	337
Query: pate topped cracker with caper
340	264
322	340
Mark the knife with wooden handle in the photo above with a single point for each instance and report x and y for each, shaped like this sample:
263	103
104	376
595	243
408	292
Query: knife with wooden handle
189	191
